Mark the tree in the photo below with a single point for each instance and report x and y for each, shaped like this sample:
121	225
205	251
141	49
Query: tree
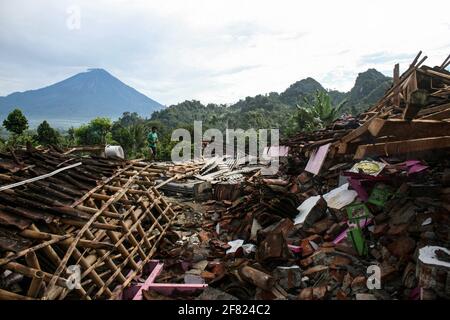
95	132
46	135
101	126
130	132
123	137
16	122
71	135
129	118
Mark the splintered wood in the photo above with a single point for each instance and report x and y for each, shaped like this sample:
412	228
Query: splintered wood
90	249
412	117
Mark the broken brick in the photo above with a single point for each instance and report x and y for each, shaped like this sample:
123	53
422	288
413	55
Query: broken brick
402	246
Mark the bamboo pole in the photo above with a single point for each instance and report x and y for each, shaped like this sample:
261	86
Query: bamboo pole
37	247
120	241
88	194
32	260
36	284
30	272
7	295
115	197
142	264
130	236
108	214
97	225
39	235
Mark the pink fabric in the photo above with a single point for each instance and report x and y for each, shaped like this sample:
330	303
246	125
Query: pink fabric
417	168
295	249
410	163
413	166
415	294
357	186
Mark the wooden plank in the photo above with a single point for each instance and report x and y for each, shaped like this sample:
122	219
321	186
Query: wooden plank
356	133
401	147
430	110
438	115
445	63
438	74
396	99
409	129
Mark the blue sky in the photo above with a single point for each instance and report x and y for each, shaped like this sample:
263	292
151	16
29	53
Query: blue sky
215	51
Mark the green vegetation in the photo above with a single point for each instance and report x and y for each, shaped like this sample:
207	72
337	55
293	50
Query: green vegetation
130	132
46	135
95	132
304	106
369	88
16	122
317	114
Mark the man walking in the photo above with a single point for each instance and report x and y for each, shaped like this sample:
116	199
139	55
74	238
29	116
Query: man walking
152	139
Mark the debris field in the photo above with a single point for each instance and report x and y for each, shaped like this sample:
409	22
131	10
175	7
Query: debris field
359	210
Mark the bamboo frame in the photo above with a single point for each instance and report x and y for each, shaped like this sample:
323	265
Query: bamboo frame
111	247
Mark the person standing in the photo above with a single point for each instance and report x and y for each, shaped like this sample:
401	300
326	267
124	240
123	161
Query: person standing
152	140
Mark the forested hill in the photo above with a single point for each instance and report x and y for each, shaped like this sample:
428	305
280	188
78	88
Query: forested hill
273	110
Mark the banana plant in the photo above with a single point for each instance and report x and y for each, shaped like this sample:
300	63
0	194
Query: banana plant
317	113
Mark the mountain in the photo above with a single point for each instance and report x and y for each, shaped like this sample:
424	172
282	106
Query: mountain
81	97
299	90
369	88
305	88
273	110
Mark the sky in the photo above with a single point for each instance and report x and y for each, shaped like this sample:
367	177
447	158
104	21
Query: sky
215	50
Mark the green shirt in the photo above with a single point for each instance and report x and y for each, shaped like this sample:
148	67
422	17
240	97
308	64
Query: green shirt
152	138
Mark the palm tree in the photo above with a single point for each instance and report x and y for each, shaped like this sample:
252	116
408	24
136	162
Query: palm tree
139	135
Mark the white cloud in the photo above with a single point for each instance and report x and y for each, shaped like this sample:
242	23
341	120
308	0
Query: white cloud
215	51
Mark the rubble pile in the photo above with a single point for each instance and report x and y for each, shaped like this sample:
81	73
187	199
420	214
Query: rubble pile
359	211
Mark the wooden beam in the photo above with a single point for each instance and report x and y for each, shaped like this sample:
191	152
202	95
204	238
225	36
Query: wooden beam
356	132
444	114
438	74
401	147
444	64
409	129
396	99
431	110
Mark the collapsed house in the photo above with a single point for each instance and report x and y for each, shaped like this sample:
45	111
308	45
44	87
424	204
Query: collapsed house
366	193
359	210
61	214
